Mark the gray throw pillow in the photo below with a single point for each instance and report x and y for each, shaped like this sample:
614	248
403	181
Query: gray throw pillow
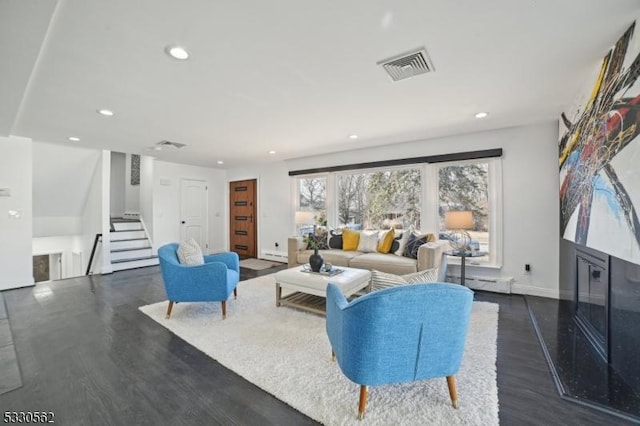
189	253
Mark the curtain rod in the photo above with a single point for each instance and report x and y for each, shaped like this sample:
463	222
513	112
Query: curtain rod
457	156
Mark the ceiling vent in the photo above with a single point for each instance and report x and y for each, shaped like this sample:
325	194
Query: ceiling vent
169	144
408	65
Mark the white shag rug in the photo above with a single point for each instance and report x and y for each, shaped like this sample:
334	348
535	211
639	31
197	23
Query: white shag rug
286	352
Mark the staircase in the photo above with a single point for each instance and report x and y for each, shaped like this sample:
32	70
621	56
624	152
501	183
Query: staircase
130	246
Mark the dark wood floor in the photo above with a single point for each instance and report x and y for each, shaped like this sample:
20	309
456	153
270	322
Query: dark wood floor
88	355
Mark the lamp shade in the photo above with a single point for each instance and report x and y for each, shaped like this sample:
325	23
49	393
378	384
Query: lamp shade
459	220
305	218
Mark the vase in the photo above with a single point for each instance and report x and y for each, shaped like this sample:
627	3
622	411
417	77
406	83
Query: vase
315	261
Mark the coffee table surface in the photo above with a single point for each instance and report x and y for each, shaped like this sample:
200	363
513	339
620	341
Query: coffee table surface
350	281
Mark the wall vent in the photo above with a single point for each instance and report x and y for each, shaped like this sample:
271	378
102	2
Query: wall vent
169	144
408	65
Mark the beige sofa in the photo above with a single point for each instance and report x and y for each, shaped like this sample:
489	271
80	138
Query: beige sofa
430	255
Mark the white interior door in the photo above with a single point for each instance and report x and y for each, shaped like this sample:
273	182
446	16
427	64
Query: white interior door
194	212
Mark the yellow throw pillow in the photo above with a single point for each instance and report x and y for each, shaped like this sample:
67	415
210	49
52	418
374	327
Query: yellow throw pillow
385	241
350	240
431	237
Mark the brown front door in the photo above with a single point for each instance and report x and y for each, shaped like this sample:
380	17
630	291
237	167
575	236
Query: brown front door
242	215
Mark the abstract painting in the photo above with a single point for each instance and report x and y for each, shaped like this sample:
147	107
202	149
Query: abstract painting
599	155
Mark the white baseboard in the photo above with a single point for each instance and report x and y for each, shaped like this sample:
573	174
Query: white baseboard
496	285
534	291
275	256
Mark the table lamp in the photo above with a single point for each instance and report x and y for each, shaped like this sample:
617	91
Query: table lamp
304	218
457	223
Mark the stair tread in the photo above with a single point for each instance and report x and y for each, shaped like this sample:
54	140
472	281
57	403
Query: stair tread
130	249
130	239
123	220
133	259
126	230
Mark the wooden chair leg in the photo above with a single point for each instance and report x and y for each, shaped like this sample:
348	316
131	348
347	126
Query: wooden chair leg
235	293
451	382
362	405
224	309
169	309
333	356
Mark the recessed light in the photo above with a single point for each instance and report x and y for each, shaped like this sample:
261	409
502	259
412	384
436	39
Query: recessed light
105	112
272	152
177	52
74	139
157	148
353	136
220	162
481	115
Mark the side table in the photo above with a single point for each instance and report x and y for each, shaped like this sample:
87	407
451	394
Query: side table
463	254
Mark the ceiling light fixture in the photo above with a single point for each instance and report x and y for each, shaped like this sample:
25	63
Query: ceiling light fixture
105	112
353	136
74	139
272	152
481	115
177	52
220	162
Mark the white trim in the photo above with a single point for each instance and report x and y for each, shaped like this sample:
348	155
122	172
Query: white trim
534	291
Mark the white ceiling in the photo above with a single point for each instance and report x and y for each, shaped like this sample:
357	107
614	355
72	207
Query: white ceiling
293	76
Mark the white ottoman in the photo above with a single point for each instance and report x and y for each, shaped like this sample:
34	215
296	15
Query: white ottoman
308	290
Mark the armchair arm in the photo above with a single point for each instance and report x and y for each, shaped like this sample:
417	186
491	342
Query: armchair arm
294	245
230	259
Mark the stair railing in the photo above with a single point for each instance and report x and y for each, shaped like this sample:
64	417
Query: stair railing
93	252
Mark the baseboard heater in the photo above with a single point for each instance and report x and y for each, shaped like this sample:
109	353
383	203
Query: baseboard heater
276	256
497	285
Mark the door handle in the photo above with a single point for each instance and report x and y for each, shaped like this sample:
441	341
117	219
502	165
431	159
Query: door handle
183	222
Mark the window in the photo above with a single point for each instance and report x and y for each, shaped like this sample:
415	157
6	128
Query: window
379	200
415	194
468	186
311	209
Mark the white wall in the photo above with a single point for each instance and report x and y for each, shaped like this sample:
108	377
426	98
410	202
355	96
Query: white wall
146	193
49	226
131	192
92	220
166	203
530	196
117	191
16	263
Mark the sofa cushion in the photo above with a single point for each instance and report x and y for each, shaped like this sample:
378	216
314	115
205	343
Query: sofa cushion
402	242
386	262
413	244
385	240
350	240
368	242
335	240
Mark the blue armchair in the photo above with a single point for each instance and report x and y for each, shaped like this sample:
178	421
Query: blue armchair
212	281
400	334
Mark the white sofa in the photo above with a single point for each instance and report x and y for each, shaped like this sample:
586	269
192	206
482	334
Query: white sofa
430	255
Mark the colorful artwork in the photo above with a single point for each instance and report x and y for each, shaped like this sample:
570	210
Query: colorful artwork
600	158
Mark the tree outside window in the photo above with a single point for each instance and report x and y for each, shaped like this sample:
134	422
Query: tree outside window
380	200
464	187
